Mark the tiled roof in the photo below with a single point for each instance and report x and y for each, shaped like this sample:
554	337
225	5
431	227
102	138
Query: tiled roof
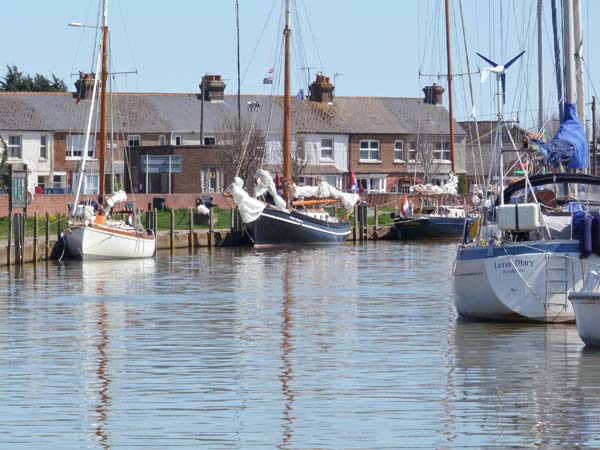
159	112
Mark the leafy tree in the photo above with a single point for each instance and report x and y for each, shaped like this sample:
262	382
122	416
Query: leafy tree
16	80
3	168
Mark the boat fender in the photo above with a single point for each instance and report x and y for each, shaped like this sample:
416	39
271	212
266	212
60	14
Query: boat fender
576	224
596	234
585	237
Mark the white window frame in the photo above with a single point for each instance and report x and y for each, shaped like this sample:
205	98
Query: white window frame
44	147
15	150
412	151
369	181
211	140
441	150
205	177
370	149
91	183
74	153
399	151
178	140
404	187
327	151
134	137
58	181
162	140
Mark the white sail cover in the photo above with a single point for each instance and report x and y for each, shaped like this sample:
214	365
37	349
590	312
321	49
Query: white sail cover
449	188
250	208
116	197
325	190
264	183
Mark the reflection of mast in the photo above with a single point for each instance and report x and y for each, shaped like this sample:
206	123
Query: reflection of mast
102	408
287	347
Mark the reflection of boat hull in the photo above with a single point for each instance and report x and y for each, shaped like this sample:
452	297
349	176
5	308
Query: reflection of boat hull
430	227
104	242
587	316
280	227
526	281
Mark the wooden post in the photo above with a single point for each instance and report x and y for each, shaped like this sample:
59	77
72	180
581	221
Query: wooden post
154	222
58	219
232	217
355	227
9	249
211	228
35	237
172	235
18	230
191	237
365	222
376	227
47	250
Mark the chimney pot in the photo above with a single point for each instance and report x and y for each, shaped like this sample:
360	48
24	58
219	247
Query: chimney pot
321	90
433	94
213	88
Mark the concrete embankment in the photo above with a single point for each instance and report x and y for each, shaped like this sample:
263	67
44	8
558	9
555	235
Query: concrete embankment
165	241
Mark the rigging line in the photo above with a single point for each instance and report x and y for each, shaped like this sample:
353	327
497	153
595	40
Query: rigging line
124	22
259	40
474	114
312	34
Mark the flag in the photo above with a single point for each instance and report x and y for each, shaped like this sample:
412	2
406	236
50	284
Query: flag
268	80
404	208
354	183
271	69
300	94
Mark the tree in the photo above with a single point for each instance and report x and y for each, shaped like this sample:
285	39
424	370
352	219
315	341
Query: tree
3	168
240	155
15	80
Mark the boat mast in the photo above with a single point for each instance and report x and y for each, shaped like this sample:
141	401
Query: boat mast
540	37
579	60
102	149
569	52
450	99
287	103
557	64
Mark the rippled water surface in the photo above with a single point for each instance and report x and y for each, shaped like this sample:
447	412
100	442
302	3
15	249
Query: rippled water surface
344	347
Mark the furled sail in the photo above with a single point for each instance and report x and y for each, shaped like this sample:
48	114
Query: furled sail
569	145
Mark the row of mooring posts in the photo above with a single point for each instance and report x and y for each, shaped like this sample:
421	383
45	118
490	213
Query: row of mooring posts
152	224
360	231
17	231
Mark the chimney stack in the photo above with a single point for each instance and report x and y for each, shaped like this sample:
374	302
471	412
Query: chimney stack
84	85
321	90
433	94
214	88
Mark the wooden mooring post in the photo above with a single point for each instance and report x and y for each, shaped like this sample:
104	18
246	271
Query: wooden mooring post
35	237
172	233
191	242
376	226
211	229
9	249
18	237
355	227
47	240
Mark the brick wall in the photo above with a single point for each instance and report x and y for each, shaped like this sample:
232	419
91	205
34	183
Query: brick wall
59	204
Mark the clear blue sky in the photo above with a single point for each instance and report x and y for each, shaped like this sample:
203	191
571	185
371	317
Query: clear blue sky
379	46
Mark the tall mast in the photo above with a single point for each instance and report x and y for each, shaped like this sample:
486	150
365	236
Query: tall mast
579	60
450	100
557	63
104	78
569	52
540	21
287	103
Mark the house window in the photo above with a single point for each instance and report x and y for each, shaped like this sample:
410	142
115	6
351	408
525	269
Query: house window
162	140
399	151
327	148
369	150
134	140
405	187
371	184
57	181
41	181
90	183
44	147
412	150
14	147
442	151
209	140
211	179
177	140
76	143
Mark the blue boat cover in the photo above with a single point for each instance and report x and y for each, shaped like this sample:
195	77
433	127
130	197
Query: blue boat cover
569	144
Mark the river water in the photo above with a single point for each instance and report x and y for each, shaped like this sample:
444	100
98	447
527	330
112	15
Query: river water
342	347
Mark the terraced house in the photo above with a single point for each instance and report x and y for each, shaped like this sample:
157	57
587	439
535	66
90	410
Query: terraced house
165	142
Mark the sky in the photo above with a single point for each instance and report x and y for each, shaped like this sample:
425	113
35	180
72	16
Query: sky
375	48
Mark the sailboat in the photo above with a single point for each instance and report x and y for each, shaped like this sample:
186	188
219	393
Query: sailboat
285	220
91	232
534	241
435	219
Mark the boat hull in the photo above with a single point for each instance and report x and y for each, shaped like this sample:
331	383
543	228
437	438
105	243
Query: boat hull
275	227
527	281
430	228
103	242
587	316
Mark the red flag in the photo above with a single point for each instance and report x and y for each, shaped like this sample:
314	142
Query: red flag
353	182
405	208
